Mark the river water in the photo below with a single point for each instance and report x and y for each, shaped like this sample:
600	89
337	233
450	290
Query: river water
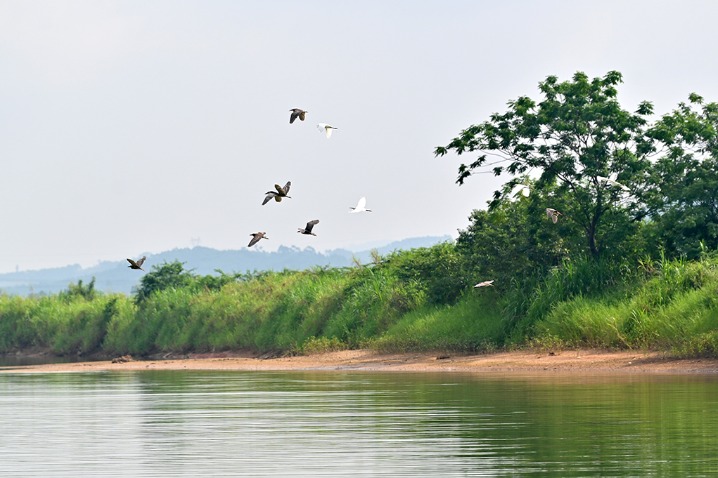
199	424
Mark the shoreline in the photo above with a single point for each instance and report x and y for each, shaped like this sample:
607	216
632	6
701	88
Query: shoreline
534	362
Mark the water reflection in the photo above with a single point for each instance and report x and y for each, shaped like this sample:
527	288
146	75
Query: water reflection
159	423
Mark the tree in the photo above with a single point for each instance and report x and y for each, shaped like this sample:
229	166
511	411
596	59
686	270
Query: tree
585	147
87	292
682	197
164	276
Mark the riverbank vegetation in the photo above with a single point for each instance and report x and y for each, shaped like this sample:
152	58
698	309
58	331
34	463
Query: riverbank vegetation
629	263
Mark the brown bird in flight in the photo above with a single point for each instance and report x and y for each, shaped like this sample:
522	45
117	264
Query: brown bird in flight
136	264
310	226
281	192
256	237
553	214
296	113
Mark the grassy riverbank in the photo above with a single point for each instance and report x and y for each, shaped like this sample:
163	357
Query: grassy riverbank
410	302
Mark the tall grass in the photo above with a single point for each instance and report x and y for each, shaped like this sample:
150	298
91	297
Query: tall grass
668	305
474	324
64	324
676	309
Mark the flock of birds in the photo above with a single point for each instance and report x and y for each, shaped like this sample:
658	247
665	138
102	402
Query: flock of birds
281	192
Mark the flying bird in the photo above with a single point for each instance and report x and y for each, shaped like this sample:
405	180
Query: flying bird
296	113
308	229
360	207
136	264
281	192
612	182
553	214
256	237
484	284
326	129
522	190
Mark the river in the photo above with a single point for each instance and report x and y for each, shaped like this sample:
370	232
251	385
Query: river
191	424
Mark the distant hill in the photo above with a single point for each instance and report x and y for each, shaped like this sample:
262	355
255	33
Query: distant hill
114	276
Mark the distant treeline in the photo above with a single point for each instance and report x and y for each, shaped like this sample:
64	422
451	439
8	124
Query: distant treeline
625	258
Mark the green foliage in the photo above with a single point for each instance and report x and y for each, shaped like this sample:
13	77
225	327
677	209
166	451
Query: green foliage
169	275
682	199
472	325
676	309
64	326
574	136
634	269
79	290
435	270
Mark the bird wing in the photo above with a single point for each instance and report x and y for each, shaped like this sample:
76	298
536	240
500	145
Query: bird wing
268	197
311	224
286	187
302	115
293	116
255	239
141	261
328	131
361	204
132	262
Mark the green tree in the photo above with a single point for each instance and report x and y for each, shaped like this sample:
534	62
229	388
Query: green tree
163	276
576	137
682	198
436	270
73	291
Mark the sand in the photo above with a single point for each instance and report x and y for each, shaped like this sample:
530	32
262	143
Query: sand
586	362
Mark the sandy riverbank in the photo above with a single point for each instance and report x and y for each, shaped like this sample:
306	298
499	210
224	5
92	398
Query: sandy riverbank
582	361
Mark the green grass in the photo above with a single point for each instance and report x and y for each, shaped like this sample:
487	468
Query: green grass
676	310
667	305
472	325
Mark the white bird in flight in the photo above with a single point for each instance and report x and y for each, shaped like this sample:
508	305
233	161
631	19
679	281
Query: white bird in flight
522	190
612	182
360	207
484	283
326	129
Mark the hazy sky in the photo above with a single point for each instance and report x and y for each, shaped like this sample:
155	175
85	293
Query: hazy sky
140	126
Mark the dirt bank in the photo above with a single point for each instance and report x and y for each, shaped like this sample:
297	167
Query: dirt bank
534	362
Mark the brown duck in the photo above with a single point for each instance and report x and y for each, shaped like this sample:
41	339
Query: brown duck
136	264
281	192
309	227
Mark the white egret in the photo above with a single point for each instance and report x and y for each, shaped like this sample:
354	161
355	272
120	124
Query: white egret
360	207
522	190
484	283
326	129
612	182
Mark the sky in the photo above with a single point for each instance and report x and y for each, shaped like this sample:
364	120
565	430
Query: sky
136	127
